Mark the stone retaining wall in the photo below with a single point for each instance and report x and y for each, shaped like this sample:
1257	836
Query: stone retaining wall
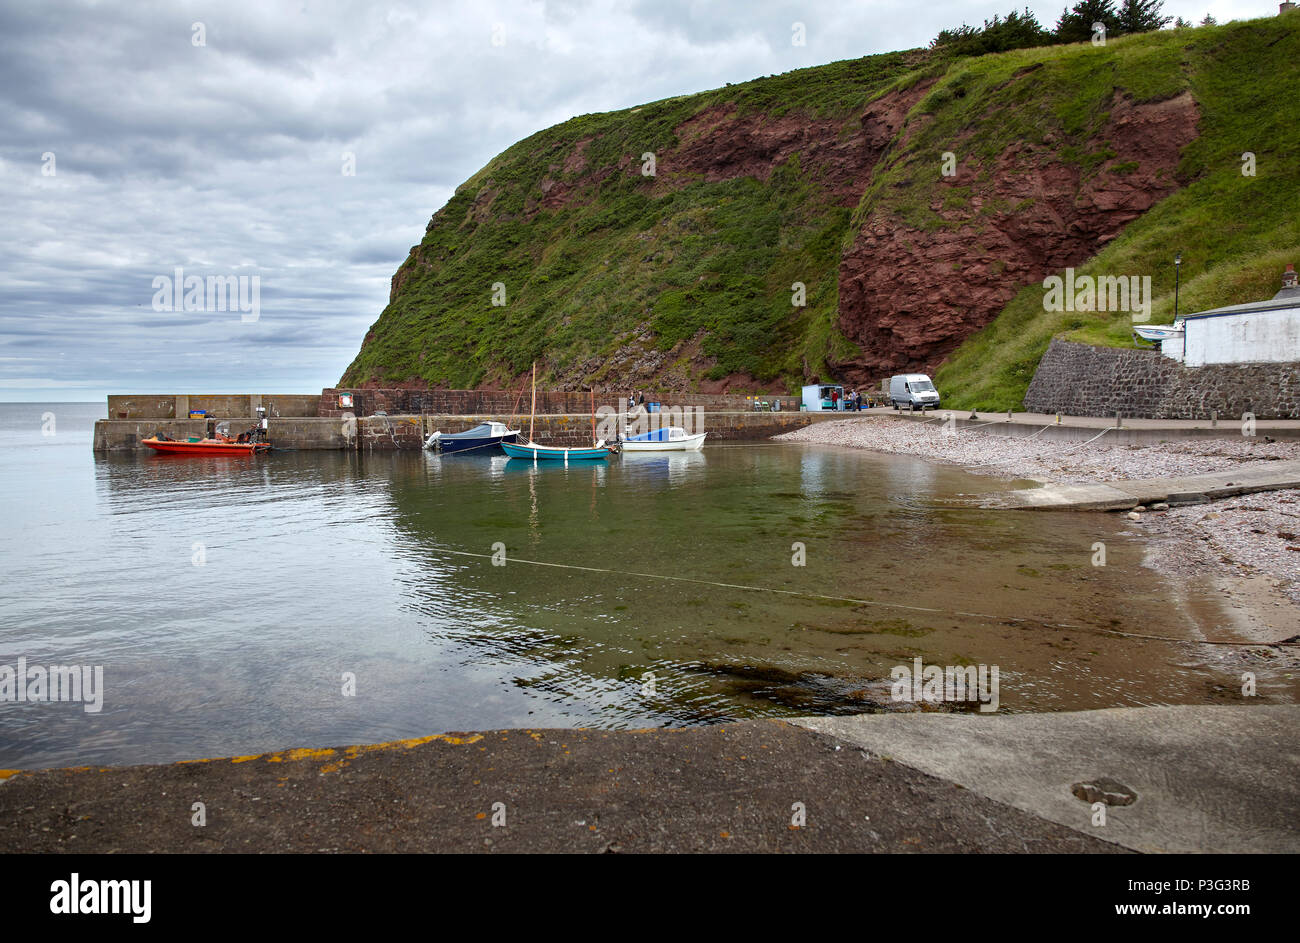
1081	380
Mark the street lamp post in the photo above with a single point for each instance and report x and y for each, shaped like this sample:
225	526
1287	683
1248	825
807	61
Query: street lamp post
1178	265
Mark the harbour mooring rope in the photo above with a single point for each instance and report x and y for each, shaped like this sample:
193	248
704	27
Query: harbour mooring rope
863	602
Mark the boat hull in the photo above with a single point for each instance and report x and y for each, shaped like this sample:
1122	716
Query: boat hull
691	443
467	445
205	447
484	436
1157	333
550	453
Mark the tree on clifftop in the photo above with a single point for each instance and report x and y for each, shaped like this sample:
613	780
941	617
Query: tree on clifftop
1141	16
1023	31
1017	31
1075	26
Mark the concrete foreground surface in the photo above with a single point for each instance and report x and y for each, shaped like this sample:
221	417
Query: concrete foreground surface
1207	778
711	789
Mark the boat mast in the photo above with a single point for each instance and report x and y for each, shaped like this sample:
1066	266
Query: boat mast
534	411
593	415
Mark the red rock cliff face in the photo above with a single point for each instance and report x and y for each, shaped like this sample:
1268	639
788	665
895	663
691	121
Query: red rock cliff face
908	297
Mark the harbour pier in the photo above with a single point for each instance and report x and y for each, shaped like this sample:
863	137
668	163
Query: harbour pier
388	420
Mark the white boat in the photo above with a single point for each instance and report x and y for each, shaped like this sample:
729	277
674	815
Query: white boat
668	439
1158	332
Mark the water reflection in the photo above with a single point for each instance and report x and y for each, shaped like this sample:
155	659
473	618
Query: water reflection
381	565
661	469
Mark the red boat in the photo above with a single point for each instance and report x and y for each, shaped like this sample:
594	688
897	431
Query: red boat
205	446
249	443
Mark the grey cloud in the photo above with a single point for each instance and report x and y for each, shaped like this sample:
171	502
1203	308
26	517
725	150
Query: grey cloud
227	159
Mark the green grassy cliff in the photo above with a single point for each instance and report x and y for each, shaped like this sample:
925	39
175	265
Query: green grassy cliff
1108	159
1235	232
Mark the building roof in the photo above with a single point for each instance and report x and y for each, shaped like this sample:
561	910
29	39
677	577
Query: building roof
1284	300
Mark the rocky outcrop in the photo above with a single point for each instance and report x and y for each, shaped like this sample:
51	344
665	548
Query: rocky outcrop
909	296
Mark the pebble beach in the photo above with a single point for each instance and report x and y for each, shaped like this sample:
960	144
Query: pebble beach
1044	460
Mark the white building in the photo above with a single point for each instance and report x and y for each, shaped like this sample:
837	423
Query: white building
1255	332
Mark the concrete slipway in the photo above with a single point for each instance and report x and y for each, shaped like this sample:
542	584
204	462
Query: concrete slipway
1207	779
1247	478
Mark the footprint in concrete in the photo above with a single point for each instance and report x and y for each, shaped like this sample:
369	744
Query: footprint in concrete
1105	790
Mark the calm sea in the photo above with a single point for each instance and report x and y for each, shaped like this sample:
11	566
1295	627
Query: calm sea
322	598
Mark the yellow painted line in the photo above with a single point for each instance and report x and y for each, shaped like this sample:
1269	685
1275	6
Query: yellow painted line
297	753
348	753
302	753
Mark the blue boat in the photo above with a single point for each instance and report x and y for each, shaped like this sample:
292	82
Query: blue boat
551	453
483	437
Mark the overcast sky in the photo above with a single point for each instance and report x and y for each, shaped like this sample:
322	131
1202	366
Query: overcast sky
227	157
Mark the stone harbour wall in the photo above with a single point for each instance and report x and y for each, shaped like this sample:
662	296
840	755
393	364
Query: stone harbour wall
1081	380
399	402
398	432
124	435
217	405
366	402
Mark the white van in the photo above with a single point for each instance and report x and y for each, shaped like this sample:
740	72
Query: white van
914	391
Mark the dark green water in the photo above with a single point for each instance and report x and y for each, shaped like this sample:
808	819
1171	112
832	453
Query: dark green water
316	564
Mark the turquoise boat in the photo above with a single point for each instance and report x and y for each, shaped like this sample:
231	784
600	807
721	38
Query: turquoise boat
596	452
551	453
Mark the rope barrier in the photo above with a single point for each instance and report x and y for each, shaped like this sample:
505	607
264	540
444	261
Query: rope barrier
861	602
